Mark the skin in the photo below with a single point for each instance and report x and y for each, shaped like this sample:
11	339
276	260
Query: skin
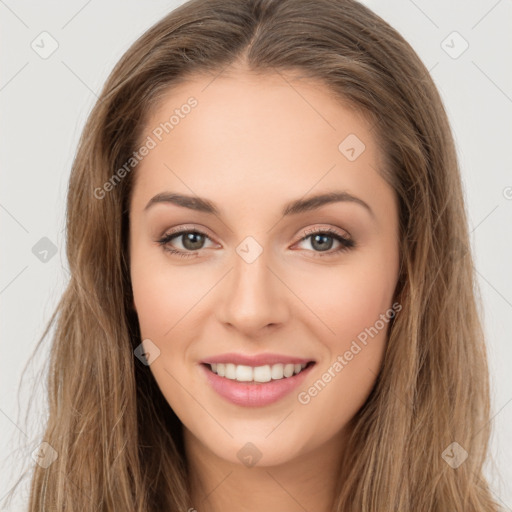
252	144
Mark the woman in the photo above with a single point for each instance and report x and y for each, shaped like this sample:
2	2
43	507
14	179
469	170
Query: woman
271	300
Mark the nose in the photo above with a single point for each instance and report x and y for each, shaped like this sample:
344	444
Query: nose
253	297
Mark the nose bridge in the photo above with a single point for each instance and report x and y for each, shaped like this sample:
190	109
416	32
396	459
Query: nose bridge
253	297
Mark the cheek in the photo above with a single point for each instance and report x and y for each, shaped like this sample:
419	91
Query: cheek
354	304
160	303
163	295
348	300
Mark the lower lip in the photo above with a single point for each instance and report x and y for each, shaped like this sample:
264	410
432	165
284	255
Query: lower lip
254	394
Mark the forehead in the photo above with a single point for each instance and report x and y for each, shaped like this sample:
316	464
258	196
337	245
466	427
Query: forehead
256	136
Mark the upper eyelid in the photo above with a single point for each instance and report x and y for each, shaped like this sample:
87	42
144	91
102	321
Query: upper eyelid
330	229
311	231
186	229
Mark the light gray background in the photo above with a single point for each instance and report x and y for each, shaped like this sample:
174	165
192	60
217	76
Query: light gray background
44	104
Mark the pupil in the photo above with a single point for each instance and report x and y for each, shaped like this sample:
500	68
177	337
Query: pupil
322	239
192	241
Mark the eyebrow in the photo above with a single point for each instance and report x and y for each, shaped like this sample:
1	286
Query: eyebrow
292	208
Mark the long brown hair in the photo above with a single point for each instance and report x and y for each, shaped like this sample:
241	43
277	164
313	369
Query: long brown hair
119	443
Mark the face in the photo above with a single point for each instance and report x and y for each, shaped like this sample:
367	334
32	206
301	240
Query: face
251	275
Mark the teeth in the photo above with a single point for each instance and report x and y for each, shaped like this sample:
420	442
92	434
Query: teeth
230	371
266	373
262	373
241	373
276	371
288	370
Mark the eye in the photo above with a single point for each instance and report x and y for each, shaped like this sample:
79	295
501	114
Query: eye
323	239
191	240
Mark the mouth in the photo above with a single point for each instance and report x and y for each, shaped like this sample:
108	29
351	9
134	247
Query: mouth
257	374
255	386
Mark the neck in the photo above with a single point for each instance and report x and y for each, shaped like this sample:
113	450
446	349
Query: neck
306	482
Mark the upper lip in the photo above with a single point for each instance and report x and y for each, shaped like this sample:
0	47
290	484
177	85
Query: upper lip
255	360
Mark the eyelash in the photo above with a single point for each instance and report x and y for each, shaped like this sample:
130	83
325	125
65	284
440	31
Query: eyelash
346	243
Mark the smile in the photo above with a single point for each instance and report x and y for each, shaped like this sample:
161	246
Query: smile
254	386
